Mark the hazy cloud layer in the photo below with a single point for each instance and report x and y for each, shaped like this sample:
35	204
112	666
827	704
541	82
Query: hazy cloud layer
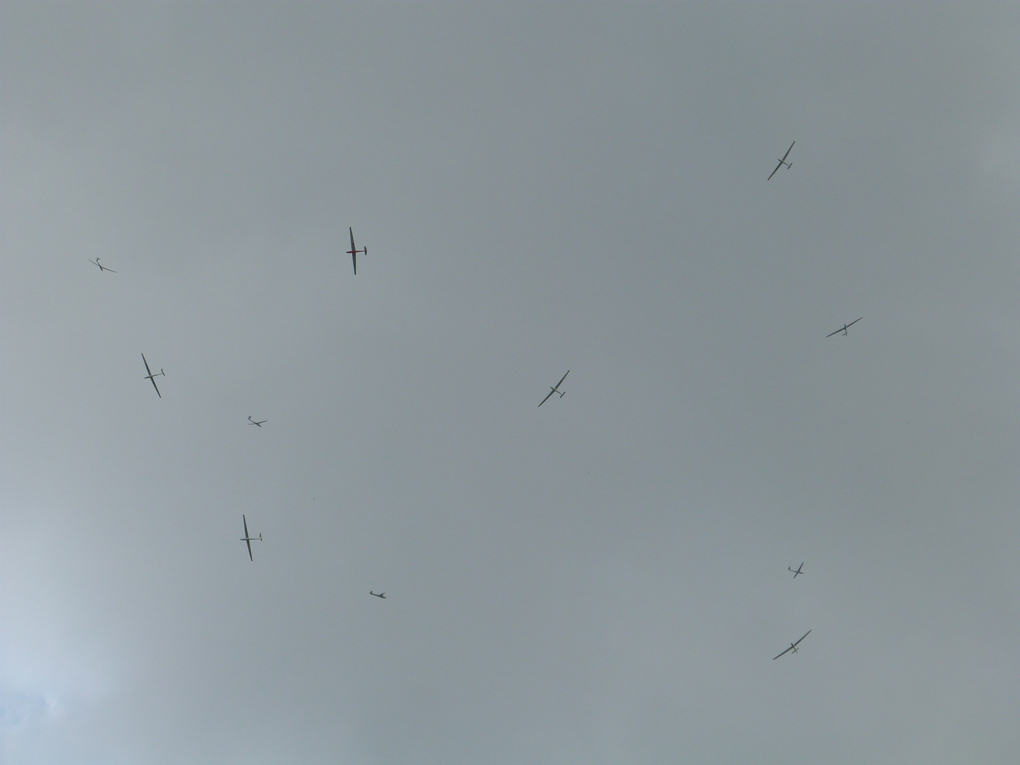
542	187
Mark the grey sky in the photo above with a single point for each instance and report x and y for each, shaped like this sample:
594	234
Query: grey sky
542	187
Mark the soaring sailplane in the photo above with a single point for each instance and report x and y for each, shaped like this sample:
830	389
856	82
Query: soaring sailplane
101	266
254	422
556	389
152	377
844	328
378	594
783	162
793	646
248	538
353	252
800	570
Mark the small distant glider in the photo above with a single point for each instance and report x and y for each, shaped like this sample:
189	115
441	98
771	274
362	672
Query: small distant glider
783	162
797	572
793	646
353	252
248	538
152	377
844	328
254	422
101	266
556	389
378	594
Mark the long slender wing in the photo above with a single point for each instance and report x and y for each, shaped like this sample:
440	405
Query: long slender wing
787	153
854	322
352	237
786	651
153	381
802	637
547	397
562	379
146	365
775	171
247	536
836	332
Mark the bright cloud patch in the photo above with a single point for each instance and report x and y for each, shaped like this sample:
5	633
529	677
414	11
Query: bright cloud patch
18	708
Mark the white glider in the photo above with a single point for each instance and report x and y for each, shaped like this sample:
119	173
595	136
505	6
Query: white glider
101	266
555	389
783	162
793	646
353	252
152	377
844	328
248	539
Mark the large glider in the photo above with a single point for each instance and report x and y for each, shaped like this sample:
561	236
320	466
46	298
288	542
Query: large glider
152	377
353	252
799	571
783	162
378	594
101	266
556	389
256	422
844	328
793	646
248	538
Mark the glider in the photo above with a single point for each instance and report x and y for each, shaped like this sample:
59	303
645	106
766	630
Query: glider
151	377
556	389
798	571
378	594
844	328
353	252
783	162
101	266
259	422
793	646
248	539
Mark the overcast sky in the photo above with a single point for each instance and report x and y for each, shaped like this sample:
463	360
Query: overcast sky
542	187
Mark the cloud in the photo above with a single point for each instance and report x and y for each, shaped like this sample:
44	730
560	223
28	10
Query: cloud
19	708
